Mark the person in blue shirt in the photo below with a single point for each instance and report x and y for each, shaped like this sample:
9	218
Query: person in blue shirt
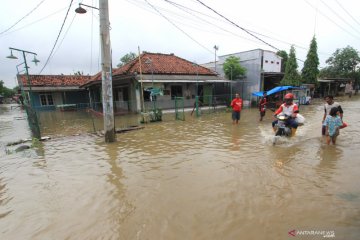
332	123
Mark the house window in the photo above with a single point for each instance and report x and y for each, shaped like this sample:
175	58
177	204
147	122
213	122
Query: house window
266	61
176	91
277	63
272	62
46	100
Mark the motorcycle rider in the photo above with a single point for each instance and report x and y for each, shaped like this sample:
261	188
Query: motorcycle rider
290	109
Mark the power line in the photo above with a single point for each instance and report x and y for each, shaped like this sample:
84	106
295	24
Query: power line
187	10
47	61
178	27
339	16
60	10
347	12
66	32
331	20
191	12
184	7
245	30
22	18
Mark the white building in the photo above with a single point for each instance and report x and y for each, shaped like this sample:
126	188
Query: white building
263	71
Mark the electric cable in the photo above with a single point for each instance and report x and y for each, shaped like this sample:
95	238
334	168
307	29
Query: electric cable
39	20
332	20
342	19
245	30
178	27
47	61
22	18
347	12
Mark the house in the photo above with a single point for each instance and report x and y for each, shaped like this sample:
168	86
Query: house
51	91
263	71
332	86
157	79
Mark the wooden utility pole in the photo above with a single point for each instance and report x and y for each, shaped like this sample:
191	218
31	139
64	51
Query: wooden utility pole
141	84
107	91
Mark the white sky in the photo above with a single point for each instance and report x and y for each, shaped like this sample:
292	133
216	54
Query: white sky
135	23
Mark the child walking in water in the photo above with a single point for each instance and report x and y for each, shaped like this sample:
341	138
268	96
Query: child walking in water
332	122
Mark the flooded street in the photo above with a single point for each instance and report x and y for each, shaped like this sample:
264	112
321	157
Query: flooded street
202	178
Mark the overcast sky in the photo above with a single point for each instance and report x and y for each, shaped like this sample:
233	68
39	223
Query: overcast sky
183	27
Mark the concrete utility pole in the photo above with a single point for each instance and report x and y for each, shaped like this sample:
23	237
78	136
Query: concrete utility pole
107	93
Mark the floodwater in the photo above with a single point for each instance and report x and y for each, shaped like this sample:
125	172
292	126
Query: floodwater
202	178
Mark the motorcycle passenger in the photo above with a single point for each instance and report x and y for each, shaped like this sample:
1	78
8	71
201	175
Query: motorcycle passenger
290	109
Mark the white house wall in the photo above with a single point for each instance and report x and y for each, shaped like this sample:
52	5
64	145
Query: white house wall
271	62
251	60
256	62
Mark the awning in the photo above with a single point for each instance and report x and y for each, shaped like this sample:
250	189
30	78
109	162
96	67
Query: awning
154	91
275	90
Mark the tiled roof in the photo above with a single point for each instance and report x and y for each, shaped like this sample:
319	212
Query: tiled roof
159	64
54	80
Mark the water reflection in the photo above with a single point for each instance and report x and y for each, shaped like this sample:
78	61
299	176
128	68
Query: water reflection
199	179
329	156
4	199
13	125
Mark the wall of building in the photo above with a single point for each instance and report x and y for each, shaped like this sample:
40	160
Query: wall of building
251	60
271	62
59	98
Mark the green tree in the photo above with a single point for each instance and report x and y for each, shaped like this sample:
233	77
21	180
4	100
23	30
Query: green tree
126	59
342	63
291	76
232	68
4	91
16	89
283	54
310	70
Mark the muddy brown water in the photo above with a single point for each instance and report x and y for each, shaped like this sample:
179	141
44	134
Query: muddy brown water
201	178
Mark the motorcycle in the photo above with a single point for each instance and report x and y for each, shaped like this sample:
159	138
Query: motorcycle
282	129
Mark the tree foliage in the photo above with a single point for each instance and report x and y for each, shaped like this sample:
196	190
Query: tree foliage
232	68
4	91
310	70
291	76
342	63
126	59
283	54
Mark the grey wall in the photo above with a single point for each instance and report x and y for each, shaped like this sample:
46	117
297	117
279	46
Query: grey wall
251	60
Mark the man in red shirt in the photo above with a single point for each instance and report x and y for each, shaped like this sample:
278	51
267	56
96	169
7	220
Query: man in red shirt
236	105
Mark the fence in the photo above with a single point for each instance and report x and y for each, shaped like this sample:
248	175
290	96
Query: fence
33	121
80	118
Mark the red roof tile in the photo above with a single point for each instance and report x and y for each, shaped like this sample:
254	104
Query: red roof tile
54	80
159	64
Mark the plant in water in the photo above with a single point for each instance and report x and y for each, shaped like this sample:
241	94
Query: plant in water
35	142
156	115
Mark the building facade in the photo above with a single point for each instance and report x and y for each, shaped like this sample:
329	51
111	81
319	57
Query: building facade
263	71
155	79
47	92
